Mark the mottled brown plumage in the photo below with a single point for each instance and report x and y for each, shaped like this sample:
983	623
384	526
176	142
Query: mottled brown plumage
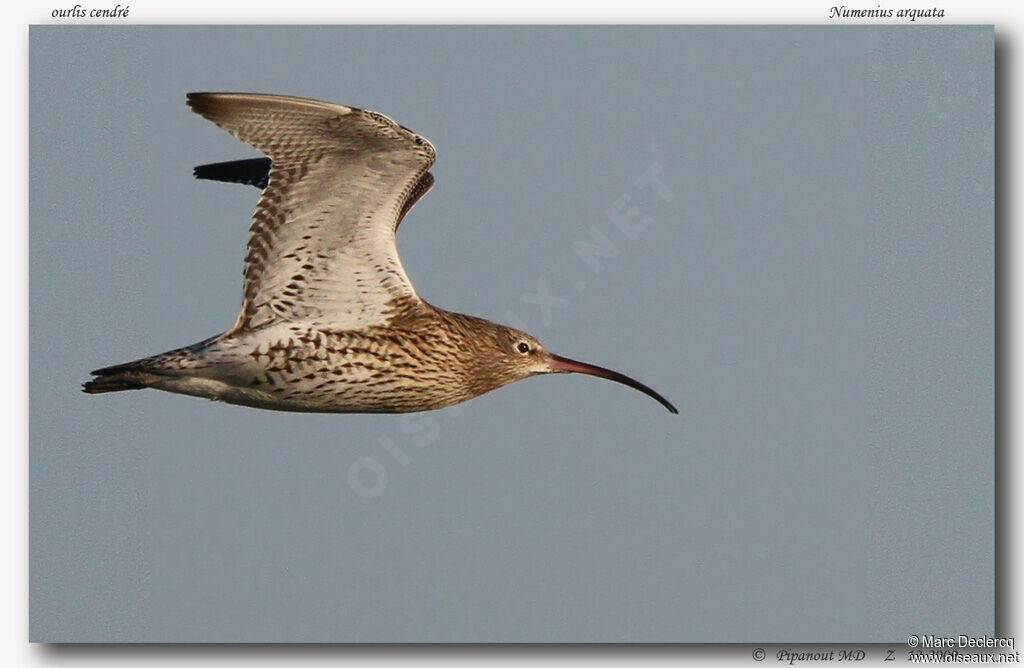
329	320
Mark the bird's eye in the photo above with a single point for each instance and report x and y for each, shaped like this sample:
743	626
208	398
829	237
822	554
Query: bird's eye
523	347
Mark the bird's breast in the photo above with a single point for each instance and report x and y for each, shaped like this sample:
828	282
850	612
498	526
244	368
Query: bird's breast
353	371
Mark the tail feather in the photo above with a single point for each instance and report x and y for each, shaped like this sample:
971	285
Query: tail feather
112	383
117	368
143	373
119	377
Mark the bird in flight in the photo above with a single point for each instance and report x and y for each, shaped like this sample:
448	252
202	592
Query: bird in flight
330	322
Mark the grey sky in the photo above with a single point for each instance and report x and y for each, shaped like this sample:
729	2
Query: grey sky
811	284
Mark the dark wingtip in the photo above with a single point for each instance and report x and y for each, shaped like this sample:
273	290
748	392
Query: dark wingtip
250	171
204	104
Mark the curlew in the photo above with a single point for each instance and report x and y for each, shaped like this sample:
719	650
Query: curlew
330	322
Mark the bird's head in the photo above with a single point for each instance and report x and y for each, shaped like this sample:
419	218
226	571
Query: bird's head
509	355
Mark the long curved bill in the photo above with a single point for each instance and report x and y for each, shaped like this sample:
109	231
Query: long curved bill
566	365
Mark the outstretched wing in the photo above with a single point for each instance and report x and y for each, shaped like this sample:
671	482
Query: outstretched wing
322	243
